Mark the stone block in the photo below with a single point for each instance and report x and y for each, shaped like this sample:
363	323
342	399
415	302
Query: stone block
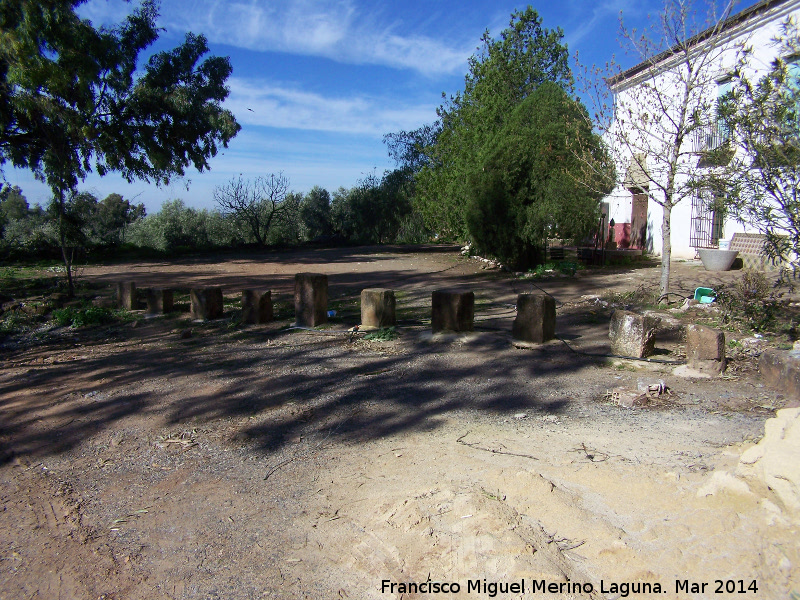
773	465
452	311
705	349
206	303
377	308
536	318
159	301
632	335
781	370
126	295
310	299
256	307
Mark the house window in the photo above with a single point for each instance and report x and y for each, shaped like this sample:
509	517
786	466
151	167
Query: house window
707	222
722	133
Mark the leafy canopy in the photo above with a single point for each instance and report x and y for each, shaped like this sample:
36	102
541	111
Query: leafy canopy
533	183
73	101
502	74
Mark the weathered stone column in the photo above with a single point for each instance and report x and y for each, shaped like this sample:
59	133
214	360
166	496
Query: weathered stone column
159	301
632	334
781	370
126	295
705	349
310	299
536	318
377	308
206	303
256	307
452	311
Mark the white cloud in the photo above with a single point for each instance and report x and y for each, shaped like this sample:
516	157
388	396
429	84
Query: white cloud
338	30
269	105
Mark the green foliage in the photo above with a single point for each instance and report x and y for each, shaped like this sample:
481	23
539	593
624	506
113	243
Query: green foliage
82	317
74	99
532	185
752	300
180	227
385	334
373	210
315	213
501	75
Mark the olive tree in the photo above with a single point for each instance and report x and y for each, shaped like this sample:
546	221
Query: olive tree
74	99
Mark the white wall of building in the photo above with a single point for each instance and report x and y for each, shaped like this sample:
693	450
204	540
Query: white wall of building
658	97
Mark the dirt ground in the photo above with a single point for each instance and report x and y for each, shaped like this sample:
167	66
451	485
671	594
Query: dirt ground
166	459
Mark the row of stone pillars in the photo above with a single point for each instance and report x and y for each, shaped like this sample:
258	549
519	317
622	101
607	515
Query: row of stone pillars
450	310
632	335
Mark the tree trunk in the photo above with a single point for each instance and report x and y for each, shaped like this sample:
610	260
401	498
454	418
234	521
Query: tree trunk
666	251
62	234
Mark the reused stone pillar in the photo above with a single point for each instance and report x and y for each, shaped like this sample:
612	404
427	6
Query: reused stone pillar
159	301
780	369
256	307
452	311
126	295
310	299
536	319
377	308
705	349
206	303
632	335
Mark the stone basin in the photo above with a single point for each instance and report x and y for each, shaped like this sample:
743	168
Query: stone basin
717	260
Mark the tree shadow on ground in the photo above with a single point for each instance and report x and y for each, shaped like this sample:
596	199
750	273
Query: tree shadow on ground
280	383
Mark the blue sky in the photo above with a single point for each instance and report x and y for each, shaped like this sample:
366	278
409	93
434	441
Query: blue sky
325	80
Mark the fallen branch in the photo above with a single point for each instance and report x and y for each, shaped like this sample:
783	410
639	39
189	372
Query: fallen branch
476	447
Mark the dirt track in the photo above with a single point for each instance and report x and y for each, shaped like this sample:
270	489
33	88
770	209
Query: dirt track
268	463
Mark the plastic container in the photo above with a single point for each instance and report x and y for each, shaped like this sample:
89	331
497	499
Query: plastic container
724	244
705	295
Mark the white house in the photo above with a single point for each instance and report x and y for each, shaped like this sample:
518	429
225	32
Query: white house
664	128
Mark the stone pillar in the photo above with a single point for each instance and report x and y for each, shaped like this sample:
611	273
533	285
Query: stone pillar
377	309
159	301
126	295
781	370
705	349
452	311
632	334
206	303
536	318
310	299
256	307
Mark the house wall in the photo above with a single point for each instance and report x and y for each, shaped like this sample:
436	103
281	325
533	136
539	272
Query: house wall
656	99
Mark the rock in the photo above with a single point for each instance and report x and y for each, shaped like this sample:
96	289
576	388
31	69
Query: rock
781	370
705	349
632	335
722	481
774	463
